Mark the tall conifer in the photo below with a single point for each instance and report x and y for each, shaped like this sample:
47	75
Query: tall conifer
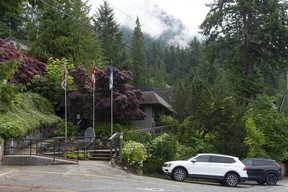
139	59
61	28
107	30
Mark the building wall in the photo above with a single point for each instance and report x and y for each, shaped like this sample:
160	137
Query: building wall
148	122
16	44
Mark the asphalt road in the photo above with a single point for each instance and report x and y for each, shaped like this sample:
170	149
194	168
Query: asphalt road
90	176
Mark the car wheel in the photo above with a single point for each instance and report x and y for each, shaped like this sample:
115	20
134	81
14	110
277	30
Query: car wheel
231	180
179	174
261	182
271	179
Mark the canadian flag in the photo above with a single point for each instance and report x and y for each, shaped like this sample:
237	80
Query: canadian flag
93	76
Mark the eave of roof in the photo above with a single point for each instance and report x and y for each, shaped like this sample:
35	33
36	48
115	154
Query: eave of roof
150	97
17	40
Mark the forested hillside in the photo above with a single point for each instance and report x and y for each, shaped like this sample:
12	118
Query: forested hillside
230	90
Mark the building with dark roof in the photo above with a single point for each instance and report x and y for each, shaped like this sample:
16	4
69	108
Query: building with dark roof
155	103
19	44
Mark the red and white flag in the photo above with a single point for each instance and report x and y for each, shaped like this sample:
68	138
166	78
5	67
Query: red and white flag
93	76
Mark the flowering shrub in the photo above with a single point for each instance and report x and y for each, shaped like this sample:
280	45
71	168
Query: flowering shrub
134	153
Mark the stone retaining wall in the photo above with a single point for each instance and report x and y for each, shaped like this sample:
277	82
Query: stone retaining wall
34	135
25	141
33	160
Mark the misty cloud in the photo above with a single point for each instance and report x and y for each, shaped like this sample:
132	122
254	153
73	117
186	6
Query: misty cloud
156	21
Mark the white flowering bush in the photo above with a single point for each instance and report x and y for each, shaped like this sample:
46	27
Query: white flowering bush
134	153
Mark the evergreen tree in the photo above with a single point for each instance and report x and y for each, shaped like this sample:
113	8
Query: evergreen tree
157	74
107	30
62	29
177	65
139	59
12	21
249	33
194	57
11	6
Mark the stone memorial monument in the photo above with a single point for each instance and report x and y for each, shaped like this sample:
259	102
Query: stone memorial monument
89	135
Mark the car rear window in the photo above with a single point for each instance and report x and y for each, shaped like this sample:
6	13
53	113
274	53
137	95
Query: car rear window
262	163
247	162
219	159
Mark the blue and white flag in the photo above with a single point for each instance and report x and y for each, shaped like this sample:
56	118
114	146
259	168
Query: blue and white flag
111	77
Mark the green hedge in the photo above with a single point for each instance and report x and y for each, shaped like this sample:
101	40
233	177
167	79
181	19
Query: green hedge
161	149
29	111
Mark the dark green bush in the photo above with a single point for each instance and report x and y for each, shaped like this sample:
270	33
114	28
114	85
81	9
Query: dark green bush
184	152
103	130
129	135
160	150
72	130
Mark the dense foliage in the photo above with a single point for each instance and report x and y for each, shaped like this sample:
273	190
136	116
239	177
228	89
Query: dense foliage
63	35
9	60
249	35
11	17
139	59
134	153
29	111
125	98
28	69
265	128
160	150
50	85
107	30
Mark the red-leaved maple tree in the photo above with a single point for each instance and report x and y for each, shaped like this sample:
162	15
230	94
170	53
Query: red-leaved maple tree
126	99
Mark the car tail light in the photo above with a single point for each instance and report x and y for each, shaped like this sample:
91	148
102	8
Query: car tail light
280	167
245	169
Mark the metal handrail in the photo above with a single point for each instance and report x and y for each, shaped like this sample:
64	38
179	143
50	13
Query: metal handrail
57	148
155	129
116	140
35	147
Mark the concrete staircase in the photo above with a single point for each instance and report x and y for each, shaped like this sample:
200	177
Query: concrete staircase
100	154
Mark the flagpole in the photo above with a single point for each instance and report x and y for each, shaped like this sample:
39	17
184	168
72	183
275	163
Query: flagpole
64	86
65	90
93	108
65	113
93	96
111	99
111	111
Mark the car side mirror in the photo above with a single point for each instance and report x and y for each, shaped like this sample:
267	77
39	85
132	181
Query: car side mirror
194	161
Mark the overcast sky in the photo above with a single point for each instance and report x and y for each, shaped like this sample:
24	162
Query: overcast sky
190	12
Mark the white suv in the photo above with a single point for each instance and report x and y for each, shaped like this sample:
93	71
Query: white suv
228	170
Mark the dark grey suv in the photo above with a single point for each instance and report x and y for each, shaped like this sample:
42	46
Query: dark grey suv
263	170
